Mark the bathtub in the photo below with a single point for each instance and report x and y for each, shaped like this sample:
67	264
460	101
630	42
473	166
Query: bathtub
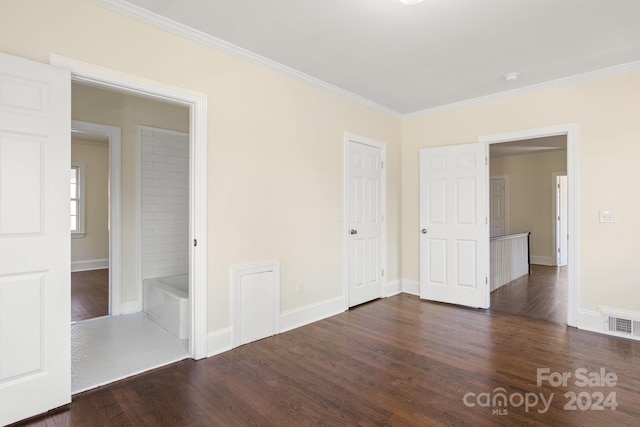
166	302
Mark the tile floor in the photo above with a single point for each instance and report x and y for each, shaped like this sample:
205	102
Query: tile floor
108	349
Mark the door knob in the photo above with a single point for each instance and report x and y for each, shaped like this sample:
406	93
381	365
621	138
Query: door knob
353	231
424	231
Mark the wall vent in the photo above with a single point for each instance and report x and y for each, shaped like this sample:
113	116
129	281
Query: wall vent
621	323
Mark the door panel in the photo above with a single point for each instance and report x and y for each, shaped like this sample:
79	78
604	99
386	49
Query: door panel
454	240
365	222
35	350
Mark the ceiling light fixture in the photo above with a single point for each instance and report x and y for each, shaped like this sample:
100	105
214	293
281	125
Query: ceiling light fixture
410	1
511	77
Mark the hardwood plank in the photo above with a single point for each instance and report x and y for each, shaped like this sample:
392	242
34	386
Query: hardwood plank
396	361
89	294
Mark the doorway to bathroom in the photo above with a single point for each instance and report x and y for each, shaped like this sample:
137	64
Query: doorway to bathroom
137	213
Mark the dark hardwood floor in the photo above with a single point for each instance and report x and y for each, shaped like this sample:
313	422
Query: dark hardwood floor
397	361
539	295
89	294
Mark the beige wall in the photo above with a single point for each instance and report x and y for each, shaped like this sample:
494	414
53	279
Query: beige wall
276	149
275	145
606	114
95	105
531	196
95	243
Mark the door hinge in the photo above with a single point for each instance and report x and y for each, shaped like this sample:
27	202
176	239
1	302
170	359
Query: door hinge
558	185
486	161
486	221
381	165
383	272
195	242
486	279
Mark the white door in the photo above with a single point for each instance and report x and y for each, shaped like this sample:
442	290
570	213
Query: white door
35	349
498	206
561	220
365	222
454	236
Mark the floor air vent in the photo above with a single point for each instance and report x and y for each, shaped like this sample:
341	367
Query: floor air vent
622	324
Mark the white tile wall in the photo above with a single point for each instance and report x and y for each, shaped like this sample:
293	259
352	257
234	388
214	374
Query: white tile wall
165	202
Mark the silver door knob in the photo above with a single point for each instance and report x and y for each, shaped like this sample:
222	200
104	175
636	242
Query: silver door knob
424	231
353	231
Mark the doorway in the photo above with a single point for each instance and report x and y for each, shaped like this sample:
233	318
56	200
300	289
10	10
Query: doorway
533	150
95	244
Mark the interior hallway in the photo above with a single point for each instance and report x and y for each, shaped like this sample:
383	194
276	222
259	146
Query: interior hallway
539	295
89	294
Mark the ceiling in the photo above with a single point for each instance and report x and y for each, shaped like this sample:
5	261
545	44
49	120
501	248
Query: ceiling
529	146
413	58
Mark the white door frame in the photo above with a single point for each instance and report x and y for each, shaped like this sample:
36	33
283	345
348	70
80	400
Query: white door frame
115	213
571	132
197	102
349	138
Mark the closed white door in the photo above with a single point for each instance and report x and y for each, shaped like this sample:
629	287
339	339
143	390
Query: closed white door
454	236
562	234
498	206
35	315
365	222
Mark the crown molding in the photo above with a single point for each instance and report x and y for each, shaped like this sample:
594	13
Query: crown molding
184	31
528	90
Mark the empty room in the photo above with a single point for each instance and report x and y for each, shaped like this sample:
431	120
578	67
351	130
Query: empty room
367	212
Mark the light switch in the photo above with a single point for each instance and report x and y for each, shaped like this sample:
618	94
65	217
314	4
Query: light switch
607	216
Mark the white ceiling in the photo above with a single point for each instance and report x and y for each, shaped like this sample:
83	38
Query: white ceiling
529	146
412	58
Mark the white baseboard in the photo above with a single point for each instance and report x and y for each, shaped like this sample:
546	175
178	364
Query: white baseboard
542	260
292	319
91	264
219	341
590	321
130	307
392	288
411	287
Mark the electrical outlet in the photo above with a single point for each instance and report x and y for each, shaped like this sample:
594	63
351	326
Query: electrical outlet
608	216
300	288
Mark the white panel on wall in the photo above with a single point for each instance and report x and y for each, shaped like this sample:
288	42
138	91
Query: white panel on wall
165	202
256	302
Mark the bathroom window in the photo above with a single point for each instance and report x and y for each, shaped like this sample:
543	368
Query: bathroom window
77	200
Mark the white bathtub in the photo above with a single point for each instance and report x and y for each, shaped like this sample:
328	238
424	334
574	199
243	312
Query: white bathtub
166	302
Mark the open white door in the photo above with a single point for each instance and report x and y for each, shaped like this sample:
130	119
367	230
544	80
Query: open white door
35	350
454	236
365	204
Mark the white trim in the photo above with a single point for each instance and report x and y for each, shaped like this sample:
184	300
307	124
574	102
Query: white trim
543	260
411	287
590	321
573	258
130	307
236	277
302	316
115	202
198	140
219	341
349	138
186	32
529	90
90	264
392	288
